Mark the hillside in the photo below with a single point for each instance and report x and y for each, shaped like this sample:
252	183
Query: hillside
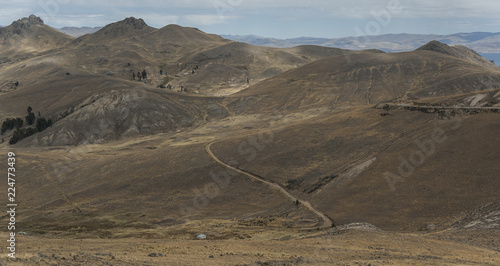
27	37
372	78
91	109
97	65
193	61
252	155
459	51
237	65
187	59
359	165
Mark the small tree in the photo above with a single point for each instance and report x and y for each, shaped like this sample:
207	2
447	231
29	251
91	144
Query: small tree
41	124
139	76
4	127
11	123
133	76
21	133
144	74
19	123
30	109
30	118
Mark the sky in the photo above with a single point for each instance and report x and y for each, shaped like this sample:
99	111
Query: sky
272	18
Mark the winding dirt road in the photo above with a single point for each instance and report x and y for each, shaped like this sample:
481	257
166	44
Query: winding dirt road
327	221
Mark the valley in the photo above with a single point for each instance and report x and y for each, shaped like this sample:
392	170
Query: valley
302	155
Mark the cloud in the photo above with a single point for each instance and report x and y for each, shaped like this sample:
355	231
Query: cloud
206	19
218	12
76	20
289	18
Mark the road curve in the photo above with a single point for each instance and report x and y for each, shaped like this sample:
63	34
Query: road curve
327	221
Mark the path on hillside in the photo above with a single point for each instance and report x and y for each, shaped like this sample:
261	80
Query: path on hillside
327	221
447	107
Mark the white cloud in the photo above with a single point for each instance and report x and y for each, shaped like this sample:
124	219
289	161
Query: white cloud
206	19
211	12
12	14
76	20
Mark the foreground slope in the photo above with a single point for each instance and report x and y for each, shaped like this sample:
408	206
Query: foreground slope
343	247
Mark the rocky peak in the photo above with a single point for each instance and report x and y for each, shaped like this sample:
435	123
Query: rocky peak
22	26
125	27
134	23
29	21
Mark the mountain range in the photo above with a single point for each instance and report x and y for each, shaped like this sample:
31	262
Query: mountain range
481	42
147	141
78	31
485	43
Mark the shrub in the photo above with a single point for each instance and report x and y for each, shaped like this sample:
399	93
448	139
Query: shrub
42	124
30	118
11	123
22	133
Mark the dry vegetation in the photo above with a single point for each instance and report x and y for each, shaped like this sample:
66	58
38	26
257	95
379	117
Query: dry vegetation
399	150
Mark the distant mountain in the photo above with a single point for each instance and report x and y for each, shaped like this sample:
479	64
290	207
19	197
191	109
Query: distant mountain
77	32
482	42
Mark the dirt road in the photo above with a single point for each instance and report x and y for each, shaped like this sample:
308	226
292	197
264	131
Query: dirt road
327	221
